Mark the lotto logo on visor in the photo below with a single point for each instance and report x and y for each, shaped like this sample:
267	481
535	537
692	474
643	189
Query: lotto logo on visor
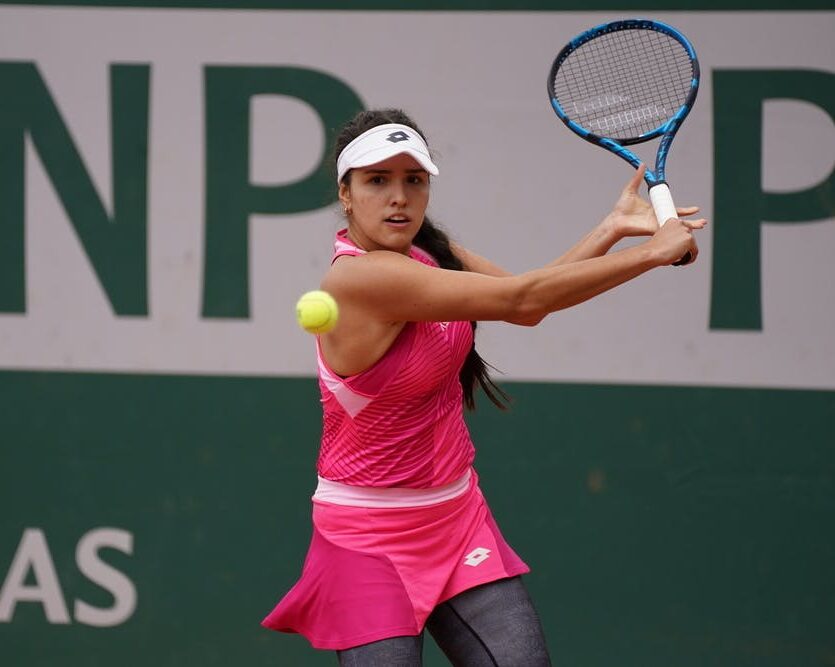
394	137
379	144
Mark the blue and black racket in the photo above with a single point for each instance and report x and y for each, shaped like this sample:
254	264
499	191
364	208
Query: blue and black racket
624	83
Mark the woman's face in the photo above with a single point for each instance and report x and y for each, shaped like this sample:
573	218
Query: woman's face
386	203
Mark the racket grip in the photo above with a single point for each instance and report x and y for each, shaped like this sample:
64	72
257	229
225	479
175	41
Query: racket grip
662	204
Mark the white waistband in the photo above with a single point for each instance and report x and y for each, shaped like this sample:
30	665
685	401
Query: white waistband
372	496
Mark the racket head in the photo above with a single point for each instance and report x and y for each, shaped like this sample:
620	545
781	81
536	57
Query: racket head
624	82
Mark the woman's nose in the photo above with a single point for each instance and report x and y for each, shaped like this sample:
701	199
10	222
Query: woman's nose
398	193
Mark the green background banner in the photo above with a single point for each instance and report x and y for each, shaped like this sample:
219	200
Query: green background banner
668	466
688	527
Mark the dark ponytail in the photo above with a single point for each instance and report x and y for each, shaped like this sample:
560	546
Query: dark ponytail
435	242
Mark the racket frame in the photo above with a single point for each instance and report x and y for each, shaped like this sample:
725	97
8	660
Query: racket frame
667	130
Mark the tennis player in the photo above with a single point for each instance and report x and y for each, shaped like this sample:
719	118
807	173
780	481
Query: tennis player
402	536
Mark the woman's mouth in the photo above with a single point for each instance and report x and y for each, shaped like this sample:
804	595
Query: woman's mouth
397	219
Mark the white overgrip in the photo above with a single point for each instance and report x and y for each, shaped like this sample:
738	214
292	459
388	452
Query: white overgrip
662	203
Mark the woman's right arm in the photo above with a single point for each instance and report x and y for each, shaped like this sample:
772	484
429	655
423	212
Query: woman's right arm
391	287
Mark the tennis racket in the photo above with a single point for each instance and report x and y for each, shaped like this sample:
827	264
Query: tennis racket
627	82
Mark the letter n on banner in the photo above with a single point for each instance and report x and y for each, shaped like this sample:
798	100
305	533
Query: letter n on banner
114	242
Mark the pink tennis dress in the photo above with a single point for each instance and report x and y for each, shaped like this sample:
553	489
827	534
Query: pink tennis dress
399	522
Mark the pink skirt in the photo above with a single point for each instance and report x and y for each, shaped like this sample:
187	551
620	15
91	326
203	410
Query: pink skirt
373	573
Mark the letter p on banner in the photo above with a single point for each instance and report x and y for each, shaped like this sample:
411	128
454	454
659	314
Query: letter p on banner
740	203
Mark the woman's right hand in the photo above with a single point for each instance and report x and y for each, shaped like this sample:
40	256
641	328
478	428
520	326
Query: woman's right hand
674	240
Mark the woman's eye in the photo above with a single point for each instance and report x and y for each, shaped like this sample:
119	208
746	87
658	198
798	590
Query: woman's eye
377	180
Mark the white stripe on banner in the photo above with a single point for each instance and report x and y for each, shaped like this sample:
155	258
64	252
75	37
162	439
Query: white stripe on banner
515	185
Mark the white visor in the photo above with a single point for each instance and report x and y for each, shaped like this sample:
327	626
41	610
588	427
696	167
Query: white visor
380	143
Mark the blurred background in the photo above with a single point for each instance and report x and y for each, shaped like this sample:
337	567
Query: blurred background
668	466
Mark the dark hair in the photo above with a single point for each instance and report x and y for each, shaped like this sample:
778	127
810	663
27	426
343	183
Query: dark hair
434	241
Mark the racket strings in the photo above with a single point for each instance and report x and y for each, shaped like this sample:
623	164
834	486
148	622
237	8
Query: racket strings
635	64
624	84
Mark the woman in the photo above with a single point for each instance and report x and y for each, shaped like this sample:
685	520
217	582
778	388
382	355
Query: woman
402	536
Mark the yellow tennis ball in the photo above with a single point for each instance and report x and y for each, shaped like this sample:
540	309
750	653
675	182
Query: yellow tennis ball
317	312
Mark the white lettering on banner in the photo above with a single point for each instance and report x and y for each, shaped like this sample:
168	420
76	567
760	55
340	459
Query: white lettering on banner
33	555
533	172
109	578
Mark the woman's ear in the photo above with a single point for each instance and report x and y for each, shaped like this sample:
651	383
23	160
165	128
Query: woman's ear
345	198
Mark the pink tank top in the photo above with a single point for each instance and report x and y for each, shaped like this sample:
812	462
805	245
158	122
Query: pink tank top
399	423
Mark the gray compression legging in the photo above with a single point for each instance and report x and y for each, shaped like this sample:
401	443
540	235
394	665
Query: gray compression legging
487	626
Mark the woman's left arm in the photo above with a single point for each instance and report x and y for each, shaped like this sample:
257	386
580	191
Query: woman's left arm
631	216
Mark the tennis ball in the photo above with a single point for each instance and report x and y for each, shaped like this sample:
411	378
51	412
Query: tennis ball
317	312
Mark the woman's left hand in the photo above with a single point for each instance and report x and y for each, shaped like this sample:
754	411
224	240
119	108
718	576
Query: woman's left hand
634	216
